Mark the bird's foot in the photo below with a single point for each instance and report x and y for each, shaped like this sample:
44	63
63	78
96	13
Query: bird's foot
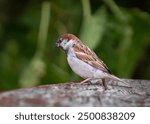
85	81
92	81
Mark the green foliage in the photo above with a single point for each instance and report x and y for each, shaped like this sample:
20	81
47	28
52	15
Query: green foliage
93	25
119	36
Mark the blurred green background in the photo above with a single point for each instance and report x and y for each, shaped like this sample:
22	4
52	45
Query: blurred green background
117	30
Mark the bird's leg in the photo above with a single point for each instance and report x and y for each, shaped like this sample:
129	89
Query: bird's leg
85	80
104	84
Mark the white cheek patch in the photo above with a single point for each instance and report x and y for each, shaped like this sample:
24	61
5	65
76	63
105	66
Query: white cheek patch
63	43
66	44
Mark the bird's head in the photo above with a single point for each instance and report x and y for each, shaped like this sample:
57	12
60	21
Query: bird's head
66	41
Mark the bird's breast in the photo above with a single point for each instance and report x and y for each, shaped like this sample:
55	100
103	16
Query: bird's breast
81	68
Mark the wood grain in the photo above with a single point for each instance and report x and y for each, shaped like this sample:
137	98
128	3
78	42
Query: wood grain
74	94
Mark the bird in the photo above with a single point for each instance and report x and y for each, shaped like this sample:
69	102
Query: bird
83	61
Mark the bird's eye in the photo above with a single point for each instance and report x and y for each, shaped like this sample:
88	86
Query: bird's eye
59	41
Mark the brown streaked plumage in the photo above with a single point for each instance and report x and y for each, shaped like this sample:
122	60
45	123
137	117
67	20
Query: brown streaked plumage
88	56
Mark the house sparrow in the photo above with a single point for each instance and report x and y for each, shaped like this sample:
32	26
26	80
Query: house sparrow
83	61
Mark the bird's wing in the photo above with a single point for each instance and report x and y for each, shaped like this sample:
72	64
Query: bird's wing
88	56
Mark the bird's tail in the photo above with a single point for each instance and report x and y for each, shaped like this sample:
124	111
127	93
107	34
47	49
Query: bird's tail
118	79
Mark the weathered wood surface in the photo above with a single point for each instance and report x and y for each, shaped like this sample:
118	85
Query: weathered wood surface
73	94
